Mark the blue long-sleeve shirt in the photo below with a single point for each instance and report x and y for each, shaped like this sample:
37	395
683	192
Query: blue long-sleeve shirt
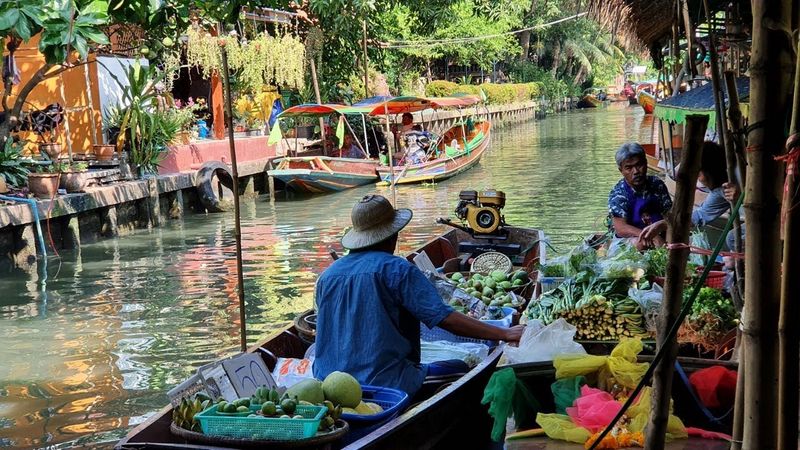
712	208
370	305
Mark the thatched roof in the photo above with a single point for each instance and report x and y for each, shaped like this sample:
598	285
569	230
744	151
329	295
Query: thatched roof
648	23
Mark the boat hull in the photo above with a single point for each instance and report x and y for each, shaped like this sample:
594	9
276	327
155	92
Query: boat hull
453	414
441	168
647	101
316	175
589	101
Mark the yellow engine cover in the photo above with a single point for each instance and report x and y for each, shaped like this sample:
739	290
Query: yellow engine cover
483	219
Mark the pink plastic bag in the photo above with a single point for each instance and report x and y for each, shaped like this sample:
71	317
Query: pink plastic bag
594	409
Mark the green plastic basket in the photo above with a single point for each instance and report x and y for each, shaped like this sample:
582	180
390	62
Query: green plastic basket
260	427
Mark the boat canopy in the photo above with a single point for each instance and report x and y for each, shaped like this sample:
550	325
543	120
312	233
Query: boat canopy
317	110
699	100
408	104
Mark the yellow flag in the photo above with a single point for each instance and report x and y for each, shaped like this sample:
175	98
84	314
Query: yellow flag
340	131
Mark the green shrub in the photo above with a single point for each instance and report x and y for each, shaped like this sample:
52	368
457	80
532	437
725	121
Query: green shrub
440	88
467	89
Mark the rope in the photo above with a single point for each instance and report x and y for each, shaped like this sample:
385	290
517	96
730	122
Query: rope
437	42
790	158
673	331
702	251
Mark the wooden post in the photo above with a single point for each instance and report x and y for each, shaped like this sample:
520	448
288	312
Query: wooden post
771	66
366	61
733	160
237	225
319	100
789	333
680	225
687	25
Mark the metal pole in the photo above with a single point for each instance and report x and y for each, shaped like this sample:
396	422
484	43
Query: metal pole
237	227
319	101
366	139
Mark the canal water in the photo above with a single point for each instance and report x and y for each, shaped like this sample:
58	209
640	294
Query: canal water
94	351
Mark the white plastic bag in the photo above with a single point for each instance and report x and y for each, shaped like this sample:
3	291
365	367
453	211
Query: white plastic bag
650	302
290	371
469	352
543	343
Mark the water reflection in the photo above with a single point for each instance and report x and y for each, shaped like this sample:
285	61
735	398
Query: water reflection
124	320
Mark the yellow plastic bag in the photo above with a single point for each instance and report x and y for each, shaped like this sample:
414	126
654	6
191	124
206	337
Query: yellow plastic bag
620	365
559	426
639	413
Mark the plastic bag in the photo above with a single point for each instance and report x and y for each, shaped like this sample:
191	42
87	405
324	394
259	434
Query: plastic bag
715	386
543	343
594	409
700	240
565	391
449	292
622	268
639	414
469	352
290	371
650	302
621	365
559	426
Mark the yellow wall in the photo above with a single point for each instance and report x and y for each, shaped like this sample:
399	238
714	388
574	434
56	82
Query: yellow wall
68	89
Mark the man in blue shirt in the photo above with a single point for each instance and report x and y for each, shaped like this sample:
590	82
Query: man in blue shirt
370	304
638	202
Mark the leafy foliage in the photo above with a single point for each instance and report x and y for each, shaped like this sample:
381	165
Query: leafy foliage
11	168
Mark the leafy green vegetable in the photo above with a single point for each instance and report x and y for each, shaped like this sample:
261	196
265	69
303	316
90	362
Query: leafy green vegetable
656	262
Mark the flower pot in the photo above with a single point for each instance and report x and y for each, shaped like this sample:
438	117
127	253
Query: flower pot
52	150
43	185
255	132
104	152
74	181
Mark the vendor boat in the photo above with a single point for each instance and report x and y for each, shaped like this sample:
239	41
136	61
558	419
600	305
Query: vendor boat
647	101
446	410
451	162
319	173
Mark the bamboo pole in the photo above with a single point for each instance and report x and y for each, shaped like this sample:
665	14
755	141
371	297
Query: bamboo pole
237	224
736	124
366	61
687	25
789	333
727	144
319	101
732	159
771	65
680	225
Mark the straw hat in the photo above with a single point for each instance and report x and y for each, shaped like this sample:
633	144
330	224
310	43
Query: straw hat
374	221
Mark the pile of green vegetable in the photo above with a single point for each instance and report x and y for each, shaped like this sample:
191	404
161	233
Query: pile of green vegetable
494	289
712	316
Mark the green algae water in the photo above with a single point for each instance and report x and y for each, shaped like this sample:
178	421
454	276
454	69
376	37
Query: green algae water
93	353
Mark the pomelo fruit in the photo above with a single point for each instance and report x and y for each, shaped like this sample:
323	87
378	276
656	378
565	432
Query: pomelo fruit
342	389
307	390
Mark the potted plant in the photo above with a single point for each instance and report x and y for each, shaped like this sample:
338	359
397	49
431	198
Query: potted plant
186	115
247	113
74	176
46	126
112	119
43	183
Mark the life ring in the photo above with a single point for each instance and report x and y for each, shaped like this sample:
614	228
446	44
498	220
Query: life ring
205	184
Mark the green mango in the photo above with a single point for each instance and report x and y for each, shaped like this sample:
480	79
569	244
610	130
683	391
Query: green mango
517	282
520	275
477	277
457	276
478	285
488	292
505	284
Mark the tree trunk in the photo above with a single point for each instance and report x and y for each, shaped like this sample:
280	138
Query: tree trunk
525	43
771	66
556	58
789	338
680	225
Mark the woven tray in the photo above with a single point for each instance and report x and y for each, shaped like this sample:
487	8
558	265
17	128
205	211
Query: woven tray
318	441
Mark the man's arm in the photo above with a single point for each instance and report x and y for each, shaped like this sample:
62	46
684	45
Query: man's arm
463	325
623	229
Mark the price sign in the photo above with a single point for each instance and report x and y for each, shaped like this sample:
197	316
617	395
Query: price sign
247	372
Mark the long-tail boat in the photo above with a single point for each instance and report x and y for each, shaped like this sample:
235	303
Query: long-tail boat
454	151
325	173
446	410
647	101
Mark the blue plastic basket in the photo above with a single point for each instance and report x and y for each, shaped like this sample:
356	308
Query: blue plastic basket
260	427
391	400
440	334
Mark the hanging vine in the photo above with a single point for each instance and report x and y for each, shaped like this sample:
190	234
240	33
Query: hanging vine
261	61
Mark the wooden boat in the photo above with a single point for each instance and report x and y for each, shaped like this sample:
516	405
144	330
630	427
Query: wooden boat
449	410
652	159
450	163
318	174
647	101
589	101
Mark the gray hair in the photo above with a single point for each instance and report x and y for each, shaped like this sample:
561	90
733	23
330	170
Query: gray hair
627	151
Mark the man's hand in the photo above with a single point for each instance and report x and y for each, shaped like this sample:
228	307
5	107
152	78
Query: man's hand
730	191
514	334
653	232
